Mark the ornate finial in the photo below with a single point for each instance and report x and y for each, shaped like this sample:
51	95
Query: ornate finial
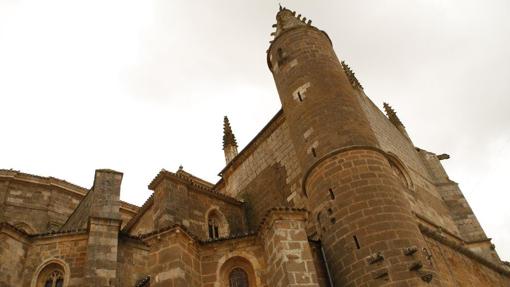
180	167
392	115
352	77
228	136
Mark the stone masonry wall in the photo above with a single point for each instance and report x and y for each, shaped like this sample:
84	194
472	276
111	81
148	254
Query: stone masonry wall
132	261
80	216
467	223
455	269
145	224
267	190
266	174
13	250
4	184
69	248
173	260
458	207
176	203
218	257
273	149
288	253
38	206
423	195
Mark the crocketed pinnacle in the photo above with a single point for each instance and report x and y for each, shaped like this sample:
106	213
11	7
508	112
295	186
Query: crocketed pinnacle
286	20
392	115
228	136
351	75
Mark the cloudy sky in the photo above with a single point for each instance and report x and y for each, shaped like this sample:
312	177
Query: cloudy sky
138	86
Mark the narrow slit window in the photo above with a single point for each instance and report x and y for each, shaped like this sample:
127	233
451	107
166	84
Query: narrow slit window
213	227
356	241
314	153
299	96
211	234
331	194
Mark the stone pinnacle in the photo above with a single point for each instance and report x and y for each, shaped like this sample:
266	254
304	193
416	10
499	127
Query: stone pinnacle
228	136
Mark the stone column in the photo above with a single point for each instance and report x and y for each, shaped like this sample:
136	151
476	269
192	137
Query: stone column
104	225
287	249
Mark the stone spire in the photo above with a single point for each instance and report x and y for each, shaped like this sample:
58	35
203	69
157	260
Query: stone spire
392	116
229	141
286	20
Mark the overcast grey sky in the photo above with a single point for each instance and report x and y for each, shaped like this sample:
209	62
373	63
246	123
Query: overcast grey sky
138	86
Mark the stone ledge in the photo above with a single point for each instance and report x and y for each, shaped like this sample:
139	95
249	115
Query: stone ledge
280	213
460	248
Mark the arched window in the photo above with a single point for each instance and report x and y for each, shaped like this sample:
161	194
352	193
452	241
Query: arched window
52	273
238	278
54	279
217	225
237	271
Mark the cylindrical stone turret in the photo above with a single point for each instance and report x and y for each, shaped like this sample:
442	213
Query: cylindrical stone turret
364	220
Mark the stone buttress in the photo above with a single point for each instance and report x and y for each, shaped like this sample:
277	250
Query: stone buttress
104	225
364	221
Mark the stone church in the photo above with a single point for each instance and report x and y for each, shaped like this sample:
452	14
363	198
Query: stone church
331	192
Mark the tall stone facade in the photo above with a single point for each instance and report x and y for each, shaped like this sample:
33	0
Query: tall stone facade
331	192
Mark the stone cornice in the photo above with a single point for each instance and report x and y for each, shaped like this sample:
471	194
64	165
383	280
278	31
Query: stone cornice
21	235
47	181
175	228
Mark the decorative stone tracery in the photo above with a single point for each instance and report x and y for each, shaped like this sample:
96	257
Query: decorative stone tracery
51	273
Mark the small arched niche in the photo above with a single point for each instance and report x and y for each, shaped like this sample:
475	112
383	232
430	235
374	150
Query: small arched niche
237	272
217	224
52	273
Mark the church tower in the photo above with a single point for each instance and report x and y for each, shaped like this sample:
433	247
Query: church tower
365	223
